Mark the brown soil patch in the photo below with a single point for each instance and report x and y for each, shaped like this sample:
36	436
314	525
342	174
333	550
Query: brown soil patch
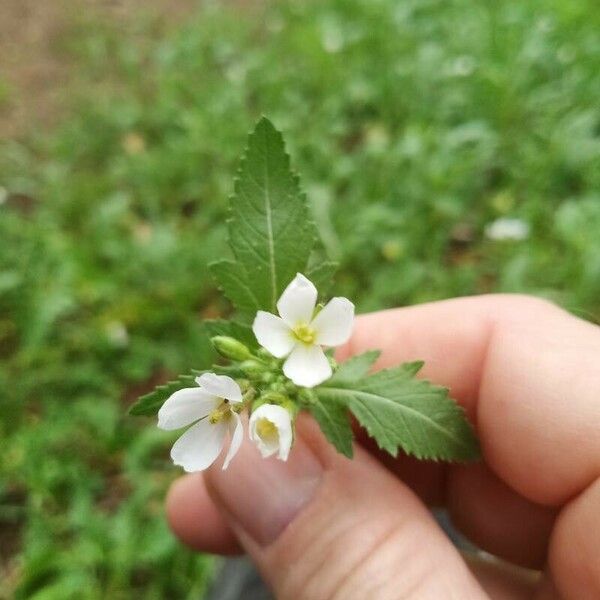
35	70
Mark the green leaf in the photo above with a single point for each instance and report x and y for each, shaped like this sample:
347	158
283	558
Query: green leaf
354	368
322	275
270	231
332	417
399	411
234	284
233	329
149	404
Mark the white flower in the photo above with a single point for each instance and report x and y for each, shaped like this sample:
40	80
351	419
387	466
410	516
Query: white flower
209	406
271	429
507	229
298	334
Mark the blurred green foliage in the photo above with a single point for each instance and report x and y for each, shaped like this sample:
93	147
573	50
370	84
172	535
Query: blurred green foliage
414	124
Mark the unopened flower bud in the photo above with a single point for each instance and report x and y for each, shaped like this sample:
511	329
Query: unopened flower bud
253	368
231	348
277	386
274	397
306	396
268	377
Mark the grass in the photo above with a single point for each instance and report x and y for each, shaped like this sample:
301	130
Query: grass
414	126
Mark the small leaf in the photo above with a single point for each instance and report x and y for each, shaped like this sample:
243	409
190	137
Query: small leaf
270	232
333	420
354	368
150	403
399	411
233	329
322	275
231	279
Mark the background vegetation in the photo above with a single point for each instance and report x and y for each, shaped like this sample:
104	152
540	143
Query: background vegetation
414	124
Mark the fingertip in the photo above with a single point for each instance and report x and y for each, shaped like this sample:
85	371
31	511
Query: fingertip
195	519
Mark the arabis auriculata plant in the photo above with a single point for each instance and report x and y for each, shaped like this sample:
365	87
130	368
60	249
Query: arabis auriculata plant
278	349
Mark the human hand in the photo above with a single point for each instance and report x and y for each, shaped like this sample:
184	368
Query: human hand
321	526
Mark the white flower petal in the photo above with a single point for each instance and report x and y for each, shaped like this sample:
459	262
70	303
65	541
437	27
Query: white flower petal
506	228
307	366
236	430
199	446
221	386
273	334
333	324
184	407
280	441
297	303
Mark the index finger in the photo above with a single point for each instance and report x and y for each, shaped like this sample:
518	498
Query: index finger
527	373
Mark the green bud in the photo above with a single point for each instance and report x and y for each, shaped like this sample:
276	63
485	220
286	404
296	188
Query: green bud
306	396
274	398
230	348
267	377
333	363
263	353
253	368
278	387
290	387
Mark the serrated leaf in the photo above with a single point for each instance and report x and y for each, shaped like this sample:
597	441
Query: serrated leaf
354	368
399	411
232	280
233	329
322	275
150	403
333	420
270	232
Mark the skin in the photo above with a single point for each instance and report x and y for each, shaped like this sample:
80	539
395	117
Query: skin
528	375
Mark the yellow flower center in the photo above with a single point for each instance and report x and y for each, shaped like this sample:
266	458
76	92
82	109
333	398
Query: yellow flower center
266	430
221	413
305	333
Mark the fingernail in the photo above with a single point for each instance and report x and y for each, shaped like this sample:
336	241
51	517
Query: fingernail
264	495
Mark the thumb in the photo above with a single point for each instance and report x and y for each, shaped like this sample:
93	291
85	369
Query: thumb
321	526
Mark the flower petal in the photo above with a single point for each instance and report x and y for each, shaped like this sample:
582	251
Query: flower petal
184	407
199	446
221	386
307	366
297	303
273	334
236	430
334	323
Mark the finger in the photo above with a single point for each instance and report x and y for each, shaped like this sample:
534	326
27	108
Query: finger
497	519
483	508
527	373
195	519
574	561
502	581
427	479
321	526
470	344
